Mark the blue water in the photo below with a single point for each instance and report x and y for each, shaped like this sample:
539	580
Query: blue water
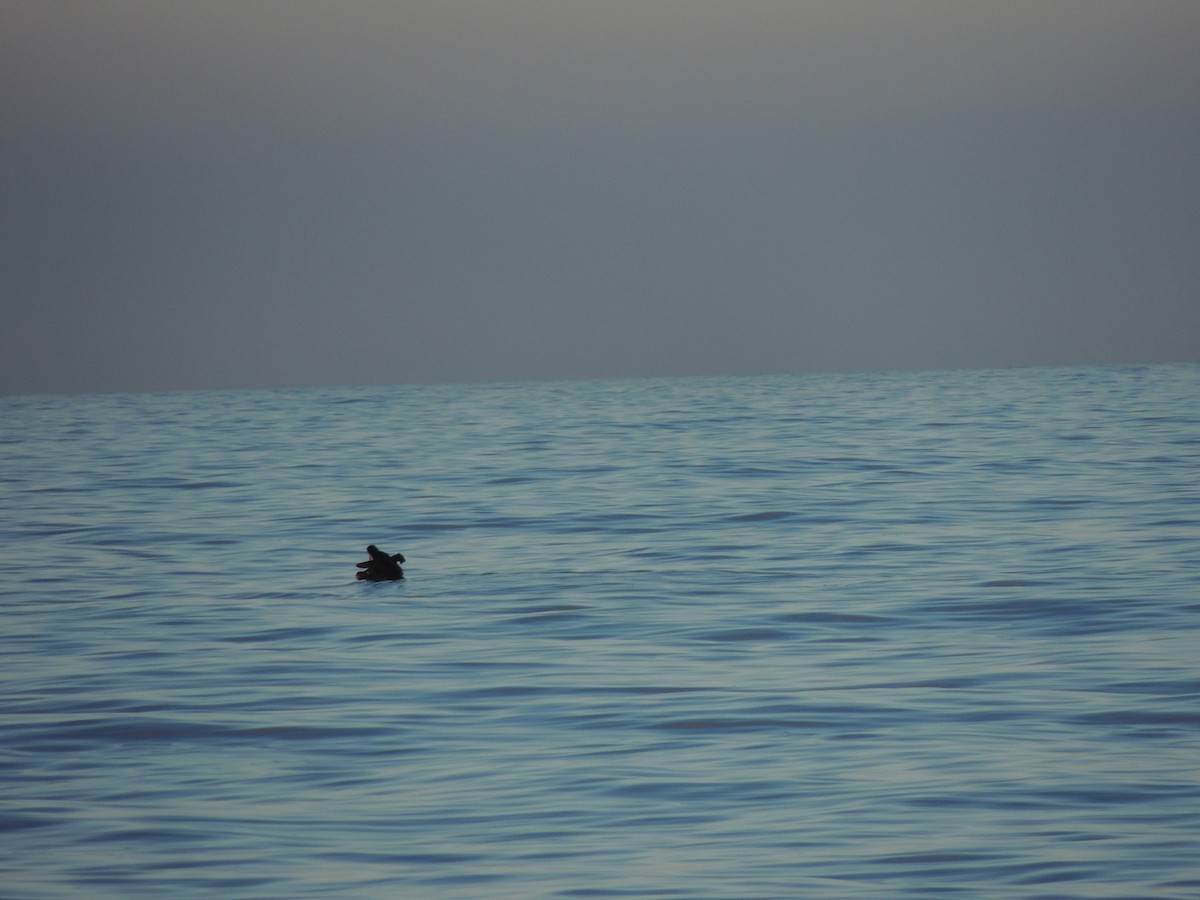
895	635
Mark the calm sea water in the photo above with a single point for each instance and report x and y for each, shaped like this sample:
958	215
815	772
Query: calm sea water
897	635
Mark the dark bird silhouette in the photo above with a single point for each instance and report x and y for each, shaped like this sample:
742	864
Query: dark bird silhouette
380	567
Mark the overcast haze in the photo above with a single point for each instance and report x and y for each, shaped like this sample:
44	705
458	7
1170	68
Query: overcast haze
262	194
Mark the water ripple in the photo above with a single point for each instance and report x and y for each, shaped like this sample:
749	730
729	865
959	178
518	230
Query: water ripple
849	636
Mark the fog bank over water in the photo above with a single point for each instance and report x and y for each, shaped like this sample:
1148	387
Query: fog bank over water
219	195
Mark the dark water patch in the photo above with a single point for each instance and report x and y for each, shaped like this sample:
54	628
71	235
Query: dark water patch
1012	583
1064	616
1058	502
739	635
739	724
10	821
889	548
389	637
1091	797
280	634
927	858
432	525
1165	687
123	730
306	733
119	876
765	516
1188	719
145	730
635	690
402	859
821	617
158	835
642	822
551	608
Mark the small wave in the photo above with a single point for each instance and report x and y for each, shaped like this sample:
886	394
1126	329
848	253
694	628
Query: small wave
738	635
279	634
767	516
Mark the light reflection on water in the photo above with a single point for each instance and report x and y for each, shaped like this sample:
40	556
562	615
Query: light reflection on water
858	636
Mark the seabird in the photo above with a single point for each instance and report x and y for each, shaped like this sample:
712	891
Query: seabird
380	567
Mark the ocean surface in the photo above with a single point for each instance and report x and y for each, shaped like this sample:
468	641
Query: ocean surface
889	635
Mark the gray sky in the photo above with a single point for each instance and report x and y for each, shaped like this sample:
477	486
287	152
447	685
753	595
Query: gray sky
219	193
